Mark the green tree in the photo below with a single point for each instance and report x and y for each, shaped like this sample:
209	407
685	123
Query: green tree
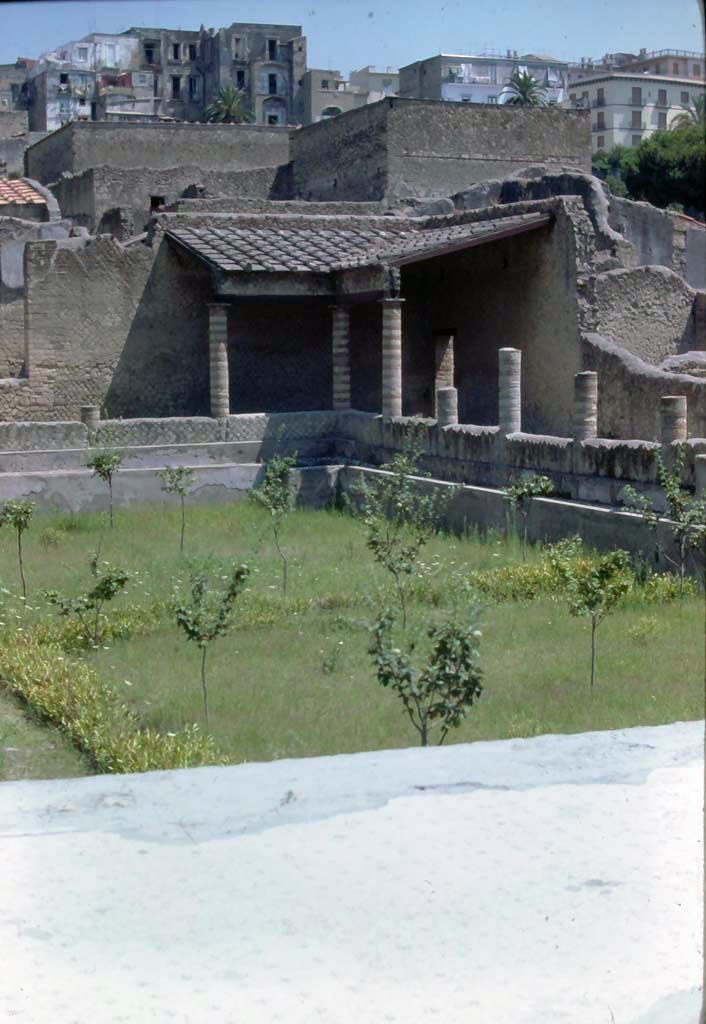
594	588
525	90
274	494
178	480
88	607
208	615
18	514
668	167
399	516
442	690
520	493
229	107
104	465
693	115
685	512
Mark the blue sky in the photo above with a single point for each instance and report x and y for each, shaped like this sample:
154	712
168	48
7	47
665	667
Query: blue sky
347	34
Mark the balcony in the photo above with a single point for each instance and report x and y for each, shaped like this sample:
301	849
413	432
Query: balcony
598	103
636	103
598	127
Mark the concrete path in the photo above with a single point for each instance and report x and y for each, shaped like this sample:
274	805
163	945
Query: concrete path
539	881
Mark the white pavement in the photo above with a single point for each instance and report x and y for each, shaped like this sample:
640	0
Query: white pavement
538	881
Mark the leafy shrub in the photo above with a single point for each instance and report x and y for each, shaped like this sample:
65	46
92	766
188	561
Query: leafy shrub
51	537
443	689
73	637
88	607
69	694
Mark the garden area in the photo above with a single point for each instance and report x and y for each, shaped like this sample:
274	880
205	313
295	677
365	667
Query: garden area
183	635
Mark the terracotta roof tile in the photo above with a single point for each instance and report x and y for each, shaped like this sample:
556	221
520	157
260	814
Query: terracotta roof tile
16	191
319	250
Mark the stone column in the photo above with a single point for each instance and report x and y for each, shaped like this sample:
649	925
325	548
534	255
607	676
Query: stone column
392	357
443	363
341	342
91	416
509	390
447	407
218	359
585	420
700	476
672	419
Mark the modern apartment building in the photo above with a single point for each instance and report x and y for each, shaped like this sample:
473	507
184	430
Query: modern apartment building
327	93
627	107
671	63
152	73
480	78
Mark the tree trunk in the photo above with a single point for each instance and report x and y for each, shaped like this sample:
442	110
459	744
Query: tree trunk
593	651
203	684
22	568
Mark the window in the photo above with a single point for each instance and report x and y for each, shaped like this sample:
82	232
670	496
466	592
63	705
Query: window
662	97
81	101
675	68
155	202
155	86
584	97
697	71
176	87
236	48
572	97
141	79
662	121
110	54
600	121
272	119
684	99
636	96
149	55
466	99
82	53
272	49
192	51
600	98
492	99
175	51
324	83
193	88
240	78
600	144
272	85
658	69
63	78
636	121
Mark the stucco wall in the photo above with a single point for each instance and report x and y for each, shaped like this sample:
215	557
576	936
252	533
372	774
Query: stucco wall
211	147
646	310
649	229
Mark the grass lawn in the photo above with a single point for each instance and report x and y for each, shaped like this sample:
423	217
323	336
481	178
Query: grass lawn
294	678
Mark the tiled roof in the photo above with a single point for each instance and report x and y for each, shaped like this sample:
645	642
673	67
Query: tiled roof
13	191
318	250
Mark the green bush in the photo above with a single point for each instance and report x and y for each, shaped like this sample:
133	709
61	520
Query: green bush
69	694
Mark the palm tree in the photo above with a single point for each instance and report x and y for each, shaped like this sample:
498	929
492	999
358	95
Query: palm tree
230	107
525	90
693	115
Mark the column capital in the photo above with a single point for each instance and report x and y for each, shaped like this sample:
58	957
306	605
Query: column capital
218	305
391	302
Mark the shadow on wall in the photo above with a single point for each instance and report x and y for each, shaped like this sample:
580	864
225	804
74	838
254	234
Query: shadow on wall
162	369
518	292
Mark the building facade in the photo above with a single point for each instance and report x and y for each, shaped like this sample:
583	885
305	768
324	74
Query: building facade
266	62
481	78
154	73
672	63
627	107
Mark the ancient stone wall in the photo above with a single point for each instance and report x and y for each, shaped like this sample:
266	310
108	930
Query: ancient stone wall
518	292
646	310
629	391
89	197
124	328
13	122
406	148
437	148
212	147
